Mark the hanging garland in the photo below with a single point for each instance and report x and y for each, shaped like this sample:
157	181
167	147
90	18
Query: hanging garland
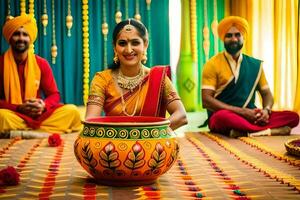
205	30
31	12
31	7
193	16
8	16
126	10
118	15
137	15
45	18
22	7
69	19
150	31
86	53
54	47
104	32
214	27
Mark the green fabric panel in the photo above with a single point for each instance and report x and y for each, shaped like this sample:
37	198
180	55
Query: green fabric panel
68	70
200	25
187	68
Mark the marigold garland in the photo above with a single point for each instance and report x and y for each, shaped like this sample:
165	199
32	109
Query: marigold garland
22	7
31	7
86	53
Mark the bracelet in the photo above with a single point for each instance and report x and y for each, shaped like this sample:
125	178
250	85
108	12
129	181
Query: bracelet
269	111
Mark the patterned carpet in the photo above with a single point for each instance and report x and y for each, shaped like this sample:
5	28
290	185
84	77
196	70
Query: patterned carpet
210	166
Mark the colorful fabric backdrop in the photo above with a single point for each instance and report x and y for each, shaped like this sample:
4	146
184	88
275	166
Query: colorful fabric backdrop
87	50
199	42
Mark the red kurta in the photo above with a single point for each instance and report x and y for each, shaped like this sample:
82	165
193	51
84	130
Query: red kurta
47	91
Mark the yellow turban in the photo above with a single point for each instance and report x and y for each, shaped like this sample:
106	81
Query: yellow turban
27	21
228	22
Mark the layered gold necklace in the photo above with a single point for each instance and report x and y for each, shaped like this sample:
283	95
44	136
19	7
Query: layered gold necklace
130	83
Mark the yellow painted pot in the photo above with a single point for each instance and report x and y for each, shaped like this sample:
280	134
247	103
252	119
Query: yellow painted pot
123	151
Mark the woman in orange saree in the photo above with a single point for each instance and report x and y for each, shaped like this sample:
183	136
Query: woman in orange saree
128	88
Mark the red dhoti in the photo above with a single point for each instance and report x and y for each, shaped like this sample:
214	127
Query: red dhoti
223	121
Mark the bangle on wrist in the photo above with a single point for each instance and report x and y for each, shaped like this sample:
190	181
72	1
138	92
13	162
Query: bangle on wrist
269	111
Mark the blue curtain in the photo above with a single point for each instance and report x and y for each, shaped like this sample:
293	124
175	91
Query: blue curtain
68	69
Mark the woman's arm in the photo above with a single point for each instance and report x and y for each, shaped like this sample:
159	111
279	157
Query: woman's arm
177	114
92	111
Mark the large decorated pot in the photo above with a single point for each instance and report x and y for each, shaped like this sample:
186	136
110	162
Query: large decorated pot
123	151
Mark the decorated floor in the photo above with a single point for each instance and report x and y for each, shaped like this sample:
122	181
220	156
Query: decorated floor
210	166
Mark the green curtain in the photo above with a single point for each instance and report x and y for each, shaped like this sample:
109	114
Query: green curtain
191	61
200	25
68	69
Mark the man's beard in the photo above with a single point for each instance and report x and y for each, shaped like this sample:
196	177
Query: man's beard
21	49
233	47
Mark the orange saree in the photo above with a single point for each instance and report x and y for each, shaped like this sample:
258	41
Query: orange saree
149	99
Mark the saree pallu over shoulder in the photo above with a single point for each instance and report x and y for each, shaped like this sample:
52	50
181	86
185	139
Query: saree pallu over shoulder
150	95
153	105
242	93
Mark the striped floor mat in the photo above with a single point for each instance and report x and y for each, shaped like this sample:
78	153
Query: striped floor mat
210	166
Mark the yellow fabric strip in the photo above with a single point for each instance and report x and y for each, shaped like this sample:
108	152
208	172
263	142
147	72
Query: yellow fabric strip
12	87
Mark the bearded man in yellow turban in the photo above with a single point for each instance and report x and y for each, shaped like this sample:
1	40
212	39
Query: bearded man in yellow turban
24	79
229	82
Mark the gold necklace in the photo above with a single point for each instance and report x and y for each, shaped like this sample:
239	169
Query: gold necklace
124	104
130	83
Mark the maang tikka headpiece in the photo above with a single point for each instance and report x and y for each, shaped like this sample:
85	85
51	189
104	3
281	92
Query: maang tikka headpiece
128	27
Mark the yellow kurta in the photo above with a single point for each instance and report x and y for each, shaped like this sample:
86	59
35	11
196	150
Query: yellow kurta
217	73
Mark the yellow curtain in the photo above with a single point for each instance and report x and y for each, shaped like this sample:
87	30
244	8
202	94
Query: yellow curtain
297	96
243	8
273	39
285	35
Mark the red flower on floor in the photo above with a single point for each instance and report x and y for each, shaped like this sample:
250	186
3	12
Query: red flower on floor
9	176
54	140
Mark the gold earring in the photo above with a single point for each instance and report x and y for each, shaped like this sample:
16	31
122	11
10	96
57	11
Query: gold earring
144	58
116	59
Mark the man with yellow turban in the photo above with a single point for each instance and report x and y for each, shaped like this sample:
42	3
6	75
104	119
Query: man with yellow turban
230	80
29	98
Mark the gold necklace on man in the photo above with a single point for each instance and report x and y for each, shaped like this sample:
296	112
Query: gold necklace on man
130	83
